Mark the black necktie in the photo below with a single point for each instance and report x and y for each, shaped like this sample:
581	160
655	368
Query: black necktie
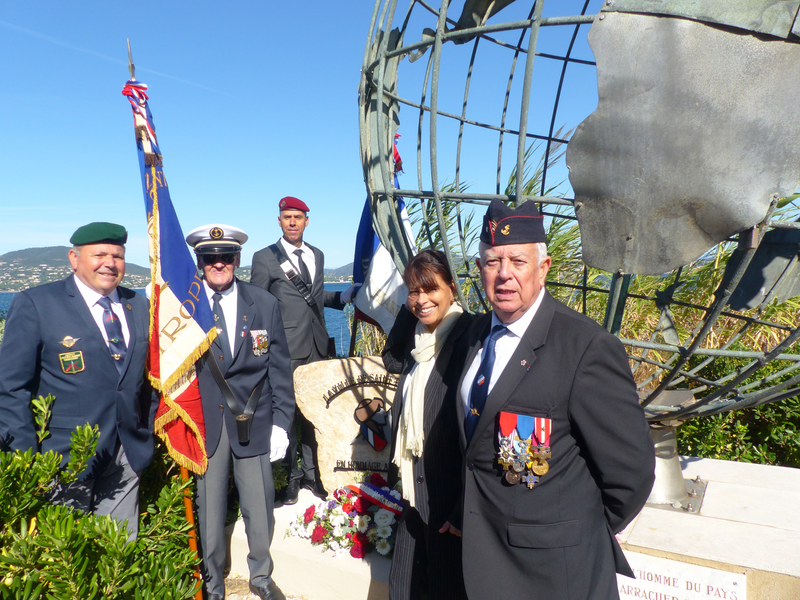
304	274
221	341
480	386
115	339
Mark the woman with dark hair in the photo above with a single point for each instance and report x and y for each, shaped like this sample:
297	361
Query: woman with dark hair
428	346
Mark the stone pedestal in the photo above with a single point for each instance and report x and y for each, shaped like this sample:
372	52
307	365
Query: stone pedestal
743	544
328	393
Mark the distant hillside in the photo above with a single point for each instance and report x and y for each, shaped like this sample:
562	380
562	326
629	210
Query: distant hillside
22	269
345	272
54	256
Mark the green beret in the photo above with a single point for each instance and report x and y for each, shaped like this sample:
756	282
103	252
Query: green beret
99	233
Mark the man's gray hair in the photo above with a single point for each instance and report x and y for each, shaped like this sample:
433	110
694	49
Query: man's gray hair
77	249
541	250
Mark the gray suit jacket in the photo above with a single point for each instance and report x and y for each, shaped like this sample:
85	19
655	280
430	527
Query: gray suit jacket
34	361
557	539
304	330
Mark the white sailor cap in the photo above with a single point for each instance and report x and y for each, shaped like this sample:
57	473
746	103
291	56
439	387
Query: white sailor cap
216	238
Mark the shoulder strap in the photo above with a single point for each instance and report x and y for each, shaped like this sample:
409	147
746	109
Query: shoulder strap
296	280
227	392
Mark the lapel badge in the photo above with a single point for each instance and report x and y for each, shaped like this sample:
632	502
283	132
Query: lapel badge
128	306
244	318
69	341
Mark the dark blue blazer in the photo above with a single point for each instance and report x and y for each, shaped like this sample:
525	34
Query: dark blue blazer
257	310
86	390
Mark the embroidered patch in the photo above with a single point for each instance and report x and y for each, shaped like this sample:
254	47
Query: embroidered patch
72	362
260	341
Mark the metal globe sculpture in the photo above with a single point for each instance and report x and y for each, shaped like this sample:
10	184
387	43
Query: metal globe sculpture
678	231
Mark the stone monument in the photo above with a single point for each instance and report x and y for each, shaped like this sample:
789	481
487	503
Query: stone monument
348	401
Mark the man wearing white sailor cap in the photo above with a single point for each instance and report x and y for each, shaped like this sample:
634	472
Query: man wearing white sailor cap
245	383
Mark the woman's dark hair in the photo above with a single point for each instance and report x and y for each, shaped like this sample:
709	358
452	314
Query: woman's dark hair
420	274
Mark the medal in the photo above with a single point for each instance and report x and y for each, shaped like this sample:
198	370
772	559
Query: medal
523	447
539	466
530	480
260	341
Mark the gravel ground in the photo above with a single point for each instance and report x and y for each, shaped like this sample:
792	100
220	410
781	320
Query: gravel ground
239	589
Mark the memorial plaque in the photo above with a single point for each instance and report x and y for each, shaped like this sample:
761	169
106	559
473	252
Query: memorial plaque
665	579
347	400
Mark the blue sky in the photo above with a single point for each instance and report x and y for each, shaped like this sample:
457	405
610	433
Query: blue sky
252	101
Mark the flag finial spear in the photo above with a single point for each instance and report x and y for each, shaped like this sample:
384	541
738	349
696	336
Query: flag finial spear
131	66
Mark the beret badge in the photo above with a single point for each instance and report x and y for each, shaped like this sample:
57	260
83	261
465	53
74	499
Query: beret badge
216	233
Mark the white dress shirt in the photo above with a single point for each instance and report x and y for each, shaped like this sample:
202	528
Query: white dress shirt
308	257
229	305
503	350
91	297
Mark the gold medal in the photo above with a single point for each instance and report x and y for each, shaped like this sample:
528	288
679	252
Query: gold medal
539	465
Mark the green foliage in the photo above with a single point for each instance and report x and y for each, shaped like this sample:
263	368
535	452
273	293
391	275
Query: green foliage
768	434
56	552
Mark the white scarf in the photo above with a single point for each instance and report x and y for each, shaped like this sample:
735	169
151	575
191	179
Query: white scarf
410	433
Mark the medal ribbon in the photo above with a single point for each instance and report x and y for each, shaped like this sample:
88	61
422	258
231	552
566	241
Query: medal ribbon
508	422
542	431
525	426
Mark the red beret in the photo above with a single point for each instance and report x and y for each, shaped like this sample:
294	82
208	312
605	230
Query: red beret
292	203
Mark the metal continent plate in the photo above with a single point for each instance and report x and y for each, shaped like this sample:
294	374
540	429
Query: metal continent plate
772	17
696	129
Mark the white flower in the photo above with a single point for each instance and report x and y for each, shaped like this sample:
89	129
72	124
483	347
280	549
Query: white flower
383	546
384	531
338	520
384	517
335	546
310	528
395	494
337	531
386	488
362	522
372	534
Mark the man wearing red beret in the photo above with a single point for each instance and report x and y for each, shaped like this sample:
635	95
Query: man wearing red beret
292	271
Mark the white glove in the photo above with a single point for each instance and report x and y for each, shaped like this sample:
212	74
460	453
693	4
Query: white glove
278	443
349	293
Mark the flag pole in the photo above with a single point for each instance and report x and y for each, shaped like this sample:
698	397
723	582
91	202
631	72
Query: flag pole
187	493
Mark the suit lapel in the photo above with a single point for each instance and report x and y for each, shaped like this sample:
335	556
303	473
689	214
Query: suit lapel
134	322
245	314
518	365
79	304
479	331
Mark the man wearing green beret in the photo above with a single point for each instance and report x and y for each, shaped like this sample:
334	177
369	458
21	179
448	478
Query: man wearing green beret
84	340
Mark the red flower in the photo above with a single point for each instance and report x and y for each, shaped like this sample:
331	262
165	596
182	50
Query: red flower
348	535
347	507
360	539
357	551
351	522
349	495
362	505
309	514
377	479
318	534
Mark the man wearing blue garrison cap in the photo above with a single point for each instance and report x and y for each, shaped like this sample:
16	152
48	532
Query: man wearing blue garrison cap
557	454
84	340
